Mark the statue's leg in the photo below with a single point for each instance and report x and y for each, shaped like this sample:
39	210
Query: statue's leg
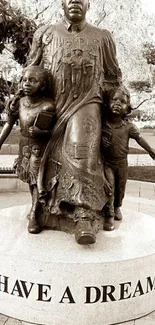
82	138
109	206
33	225
83	179
121	180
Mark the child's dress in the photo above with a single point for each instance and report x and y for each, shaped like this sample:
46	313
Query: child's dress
27	114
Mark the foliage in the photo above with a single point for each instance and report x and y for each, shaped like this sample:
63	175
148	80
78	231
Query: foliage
17	29
6	89
149	53
136	113
140	85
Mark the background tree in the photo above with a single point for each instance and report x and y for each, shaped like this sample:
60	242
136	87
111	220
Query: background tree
17	29
149	53
16	33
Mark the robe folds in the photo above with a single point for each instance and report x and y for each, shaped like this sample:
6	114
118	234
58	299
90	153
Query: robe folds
82	64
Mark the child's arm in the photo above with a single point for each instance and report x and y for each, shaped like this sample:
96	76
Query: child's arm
144	144
7	129
134	133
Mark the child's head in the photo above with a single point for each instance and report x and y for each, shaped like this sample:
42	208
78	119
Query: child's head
26	152
36	150
78	52
118	101
35	81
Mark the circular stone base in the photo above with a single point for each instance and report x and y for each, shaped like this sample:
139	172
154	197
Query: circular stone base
50	279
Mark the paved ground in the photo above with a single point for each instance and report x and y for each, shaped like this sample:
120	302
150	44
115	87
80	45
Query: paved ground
147	320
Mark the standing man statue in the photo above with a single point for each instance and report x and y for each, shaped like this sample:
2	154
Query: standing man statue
71	180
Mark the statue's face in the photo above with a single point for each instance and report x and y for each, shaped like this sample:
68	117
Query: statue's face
78	52
31	82
75	10
36	151
27	154
118	103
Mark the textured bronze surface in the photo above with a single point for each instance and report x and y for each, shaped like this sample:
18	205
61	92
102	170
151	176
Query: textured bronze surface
61	158
116	132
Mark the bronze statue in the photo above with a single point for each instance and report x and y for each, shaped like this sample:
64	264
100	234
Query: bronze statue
71	184
81	59
116	132
36	114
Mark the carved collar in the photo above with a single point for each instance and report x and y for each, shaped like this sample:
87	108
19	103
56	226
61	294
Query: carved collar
74	27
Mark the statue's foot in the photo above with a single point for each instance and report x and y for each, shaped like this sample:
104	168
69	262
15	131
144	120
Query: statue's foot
84	233
109	224
118	214
34	227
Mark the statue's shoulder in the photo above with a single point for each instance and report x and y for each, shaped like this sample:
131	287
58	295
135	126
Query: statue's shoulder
132	128
47	34
40	32
131	124
48	105
104	33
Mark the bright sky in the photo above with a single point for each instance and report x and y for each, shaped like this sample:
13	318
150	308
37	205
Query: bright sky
149	5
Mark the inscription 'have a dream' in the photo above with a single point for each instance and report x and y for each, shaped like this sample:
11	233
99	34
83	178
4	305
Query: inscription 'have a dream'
91	294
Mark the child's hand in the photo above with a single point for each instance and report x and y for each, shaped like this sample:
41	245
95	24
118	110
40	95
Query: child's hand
107	187
34	131
152	154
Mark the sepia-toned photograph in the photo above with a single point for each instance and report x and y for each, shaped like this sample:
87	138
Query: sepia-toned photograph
77	162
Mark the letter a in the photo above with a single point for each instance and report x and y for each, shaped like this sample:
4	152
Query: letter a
67	295
17	289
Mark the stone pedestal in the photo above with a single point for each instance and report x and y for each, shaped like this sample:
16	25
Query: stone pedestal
50	279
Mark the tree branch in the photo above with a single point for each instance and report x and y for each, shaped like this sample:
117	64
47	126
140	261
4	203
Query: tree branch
41	12
141	103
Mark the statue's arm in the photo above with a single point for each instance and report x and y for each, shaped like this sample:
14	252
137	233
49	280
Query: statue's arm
135	134
35	54
7	128
144	144
110	64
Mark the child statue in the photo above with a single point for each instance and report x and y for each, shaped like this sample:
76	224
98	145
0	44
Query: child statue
116	132
36	114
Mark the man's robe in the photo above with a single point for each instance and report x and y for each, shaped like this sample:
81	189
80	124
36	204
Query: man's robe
82	62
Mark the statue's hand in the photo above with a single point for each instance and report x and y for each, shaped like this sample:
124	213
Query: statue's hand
34	131
108	188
